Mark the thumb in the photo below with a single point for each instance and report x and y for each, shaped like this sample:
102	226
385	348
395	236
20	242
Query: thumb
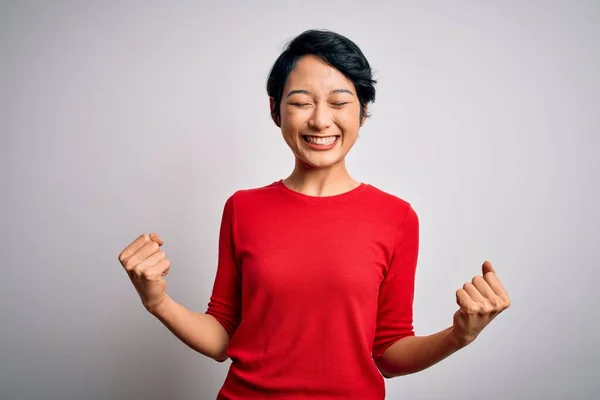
154	237
487	267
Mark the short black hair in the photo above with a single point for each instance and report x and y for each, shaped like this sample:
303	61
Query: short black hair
336	50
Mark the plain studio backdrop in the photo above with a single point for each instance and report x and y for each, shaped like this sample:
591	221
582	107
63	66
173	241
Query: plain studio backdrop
119	118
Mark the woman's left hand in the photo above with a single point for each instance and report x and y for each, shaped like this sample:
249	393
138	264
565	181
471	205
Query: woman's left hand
480	301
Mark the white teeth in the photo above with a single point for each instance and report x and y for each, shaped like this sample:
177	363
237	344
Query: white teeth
321	141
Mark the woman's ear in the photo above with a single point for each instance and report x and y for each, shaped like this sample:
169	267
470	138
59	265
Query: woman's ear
275	118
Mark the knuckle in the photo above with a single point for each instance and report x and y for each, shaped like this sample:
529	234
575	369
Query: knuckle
477	278
145	237
486	309
137	270
470	310
129	264
495	302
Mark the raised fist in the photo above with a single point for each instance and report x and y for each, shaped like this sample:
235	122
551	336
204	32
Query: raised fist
146	266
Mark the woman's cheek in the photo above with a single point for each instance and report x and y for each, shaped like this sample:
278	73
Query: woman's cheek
347	123
294	121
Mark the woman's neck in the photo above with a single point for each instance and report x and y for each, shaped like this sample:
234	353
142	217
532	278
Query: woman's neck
329	181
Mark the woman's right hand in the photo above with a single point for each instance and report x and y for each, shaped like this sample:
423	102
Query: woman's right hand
146	266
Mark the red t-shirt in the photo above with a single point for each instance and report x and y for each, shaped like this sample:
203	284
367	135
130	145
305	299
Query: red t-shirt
312	289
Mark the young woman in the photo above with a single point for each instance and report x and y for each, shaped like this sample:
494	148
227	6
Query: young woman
313	293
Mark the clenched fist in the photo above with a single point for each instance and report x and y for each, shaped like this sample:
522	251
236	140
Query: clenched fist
480	301
146	266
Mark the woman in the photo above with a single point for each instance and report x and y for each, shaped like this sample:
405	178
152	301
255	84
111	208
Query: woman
314	286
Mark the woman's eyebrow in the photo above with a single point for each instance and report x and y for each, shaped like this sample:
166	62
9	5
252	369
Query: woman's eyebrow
342	91
303	91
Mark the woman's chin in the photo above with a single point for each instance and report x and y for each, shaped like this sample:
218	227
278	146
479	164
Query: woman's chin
320	161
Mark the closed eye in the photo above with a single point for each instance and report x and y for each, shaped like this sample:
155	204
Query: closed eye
301	105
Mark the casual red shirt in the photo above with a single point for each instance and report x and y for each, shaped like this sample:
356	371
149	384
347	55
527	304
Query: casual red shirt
312	289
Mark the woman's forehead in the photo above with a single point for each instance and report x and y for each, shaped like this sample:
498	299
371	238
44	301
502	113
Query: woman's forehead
314	75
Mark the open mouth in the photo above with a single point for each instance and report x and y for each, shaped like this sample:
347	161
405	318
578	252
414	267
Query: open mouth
320	141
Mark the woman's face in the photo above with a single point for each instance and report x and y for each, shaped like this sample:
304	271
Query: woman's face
320	113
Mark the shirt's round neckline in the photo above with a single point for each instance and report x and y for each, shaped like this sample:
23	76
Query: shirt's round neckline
322	199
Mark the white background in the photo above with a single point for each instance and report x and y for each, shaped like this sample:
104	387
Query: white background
118	118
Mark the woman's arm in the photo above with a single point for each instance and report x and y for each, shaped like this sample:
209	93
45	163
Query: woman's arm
415	353
480	301
201	332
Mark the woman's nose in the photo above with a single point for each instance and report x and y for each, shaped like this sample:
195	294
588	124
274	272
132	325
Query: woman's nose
321	117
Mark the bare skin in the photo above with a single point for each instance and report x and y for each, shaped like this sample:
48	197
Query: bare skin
480	301
147	265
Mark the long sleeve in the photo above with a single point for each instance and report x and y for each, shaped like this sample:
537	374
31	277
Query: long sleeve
396	294
225	301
